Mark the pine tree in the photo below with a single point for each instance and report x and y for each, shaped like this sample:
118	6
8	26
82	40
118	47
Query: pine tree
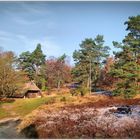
38	58
127	66
32	64
88	60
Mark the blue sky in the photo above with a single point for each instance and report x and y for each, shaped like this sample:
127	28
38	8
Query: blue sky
61	26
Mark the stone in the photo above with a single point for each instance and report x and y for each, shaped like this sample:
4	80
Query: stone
124	110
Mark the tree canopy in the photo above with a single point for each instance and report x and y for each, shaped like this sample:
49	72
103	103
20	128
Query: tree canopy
89	59
31	63
93	66
57	72
11	80
127	66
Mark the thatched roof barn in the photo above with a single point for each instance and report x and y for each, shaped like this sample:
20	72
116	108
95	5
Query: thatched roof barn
31	90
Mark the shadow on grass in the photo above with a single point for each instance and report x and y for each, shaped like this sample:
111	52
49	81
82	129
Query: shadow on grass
30	132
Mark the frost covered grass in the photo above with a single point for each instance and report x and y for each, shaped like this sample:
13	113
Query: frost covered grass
89	118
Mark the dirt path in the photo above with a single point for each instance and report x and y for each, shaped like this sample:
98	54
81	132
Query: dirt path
8	129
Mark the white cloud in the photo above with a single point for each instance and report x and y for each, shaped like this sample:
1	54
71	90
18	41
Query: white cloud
48	46
23	21
36	22
36	8
19	43
27	13
26	7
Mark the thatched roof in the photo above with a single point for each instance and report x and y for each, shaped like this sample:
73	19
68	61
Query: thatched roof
31	86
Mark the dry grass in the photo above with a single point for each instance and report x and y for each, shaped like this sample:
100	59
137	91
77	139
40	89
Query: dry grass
22	107
137	96
71	101
36	111
79	117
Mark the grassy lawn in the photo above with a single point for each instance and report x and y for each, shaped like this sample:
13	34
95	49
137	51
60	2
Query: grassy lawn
22	107
3	113
25	106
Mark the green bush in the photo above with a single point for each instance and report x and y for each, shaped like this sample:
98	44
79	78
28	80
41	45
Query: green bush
63	99
74	92
83	91
79	91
